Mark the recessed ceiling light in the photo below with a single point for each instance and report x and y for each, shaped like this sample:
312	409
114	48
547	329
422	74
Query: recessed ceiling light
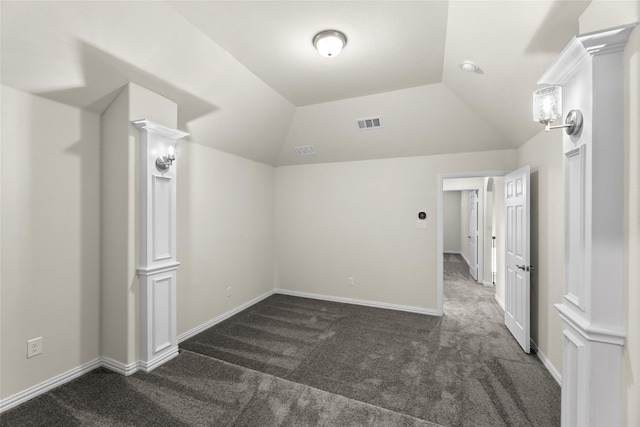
469	66
329	42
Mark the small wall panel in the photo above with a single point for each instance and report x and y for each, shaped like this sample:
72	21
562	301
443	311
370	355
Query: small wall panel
575	164
572	362
162	312
162	221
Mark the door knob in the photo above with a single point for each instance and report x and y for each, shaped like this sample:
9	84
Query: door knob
521	267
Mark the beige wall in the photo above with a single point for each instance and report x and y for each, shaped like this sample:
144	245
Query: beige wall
600	15
544	154
451	221
50	238
225	232
358	219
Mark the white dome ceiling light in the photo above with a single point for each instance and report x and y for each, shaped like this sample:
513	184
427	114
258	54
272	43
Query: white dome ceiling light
329	42
469	67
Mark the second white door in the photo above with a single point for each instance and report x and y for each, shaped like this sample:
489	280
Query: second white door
518	270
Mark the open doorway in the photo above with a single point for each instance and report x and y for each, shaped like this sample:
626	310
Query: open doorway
464	233
471	230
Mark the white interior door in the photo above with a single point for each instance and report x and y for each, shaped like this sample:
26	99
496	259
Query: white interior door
473	234
518	270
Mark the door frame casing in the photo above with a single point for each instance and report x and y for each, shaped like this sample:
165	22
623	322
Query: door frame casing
440	225
479	233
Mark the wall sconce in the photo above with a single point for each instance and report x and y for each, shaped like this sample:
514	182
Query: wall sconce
164	162
547	107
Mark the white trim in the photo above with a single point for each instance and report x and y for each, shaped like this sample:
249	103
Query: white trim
581	47
157	269
206	325
160	130
440	227
465	260
547	363
588	331
47	385
366	303
543	358
154	363
119	367
488	284
195	331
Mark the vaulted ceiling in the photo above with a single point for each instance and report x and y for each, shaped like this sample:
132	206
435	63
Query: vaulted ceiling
248	80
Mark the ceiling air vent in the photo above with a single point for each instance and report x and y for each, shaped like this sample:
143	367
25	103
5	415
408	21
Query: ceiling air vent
369	123
305	150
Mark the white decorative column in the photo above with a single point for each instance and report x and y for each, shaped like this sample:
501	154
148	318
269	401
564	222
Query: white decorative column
590	69
157	238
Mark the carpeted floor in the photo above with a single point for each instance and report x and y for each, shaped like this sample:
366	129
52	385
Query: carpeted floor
296	361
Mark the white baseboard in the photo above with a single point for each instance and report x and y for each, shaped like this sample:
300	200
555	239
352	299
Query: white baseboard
452	252
195	331
47	385
367	303
488	284
119	367
154	363
131	368
547	363
465	259
114	365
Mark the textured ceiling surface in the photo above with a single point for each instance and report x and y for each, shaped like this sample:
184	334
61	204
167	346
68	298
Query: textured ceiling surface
390	45
248	81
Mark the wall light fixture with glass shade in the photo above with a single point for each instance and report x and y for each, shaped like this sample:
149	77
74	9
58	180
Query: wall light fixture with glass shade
329	42
547	107
163	163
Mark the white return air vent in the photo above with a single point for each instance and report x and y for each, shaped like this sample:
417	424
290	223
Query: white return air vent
369	123
305	150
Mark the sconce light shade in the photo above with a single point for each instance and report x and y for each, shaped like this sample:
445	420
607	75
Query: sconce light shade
330	42
163	163
547	107
547	104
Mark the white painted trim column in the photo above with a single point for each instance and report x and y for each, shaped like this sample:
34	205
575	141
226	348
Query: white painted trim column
157	255
591	71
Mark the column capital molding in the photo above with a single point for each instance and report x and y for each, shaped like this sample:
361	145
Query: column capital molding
160	130
583	47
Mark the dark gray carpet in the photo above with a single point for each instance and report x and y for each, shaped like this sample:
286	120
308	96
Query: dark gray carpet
195	390
462	369
291	361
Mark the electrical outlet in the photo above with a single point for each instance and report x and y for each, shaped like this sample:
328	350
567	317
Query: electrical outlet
352	281
228	291
34	347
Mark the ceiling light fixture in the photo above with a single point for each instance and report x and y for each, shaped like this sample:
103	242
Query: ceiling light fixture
547	107
469	66
329	42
